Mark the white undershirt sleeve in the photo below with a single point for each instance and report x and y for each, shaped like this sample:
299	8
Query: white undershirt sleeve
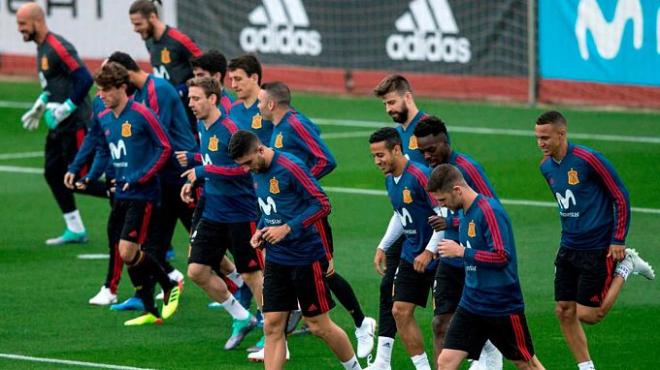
393	232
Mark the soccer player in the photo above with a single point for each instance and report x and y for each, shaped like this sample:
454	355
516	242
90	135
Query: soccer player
138	148
214	64
245	77
491	305
397	97
229	215
292	203
65	82
169	49
296	134
595	214
406	182
433	144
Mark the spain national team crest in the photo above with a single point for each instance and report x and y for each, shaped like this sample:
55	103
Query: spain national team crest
407	196
126	129
472	229
573	178
412	144
44	63
256	121
278	140
213	143
165	56
274	186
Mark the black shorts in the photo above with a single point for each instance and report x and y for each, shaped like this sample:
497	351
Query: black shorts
287	287
469	332
447	288
200	201
62	146
211	240
132	220
583	276
411	286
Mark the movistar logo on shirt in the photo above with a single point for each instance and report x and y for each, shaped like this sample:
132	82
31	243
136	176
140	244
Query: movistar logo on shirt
564	202
404	217
428	32
117	150
268	206
280	27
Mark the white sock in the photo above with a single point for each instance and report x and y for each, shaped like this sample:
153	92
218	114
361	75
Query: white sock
235	277
352	364
489	347
74	222
384	352
587	365
235	309
421	362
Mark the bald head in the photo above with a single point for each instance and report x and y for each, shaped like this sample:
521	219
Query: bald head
31	22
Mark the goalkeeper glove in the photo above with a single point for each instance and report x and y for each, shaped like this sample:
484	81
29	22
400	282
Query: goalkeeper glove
31	118
58	112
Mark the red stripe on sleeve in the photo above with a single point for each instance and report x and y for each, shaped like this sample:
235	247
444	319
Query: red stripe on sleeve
162	137
186	41
499	256
423	181
61	51
478	180
152	97
229	125
307	183
226	103
224	170
314	146
614	190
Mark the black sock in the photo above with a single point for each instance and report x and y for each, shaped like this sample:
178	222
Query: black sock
139	277
345	295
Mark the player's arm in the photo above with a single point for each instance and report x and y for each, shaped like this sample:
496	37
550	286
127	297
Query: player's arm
308	188
162	143
212	170
100	163
496	234
475	177
322	160
94	139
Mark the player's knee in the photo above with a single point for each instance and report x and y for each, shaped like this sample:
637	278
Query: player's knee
445	361
273	328
590	317
197	274
565	312
317	329
400	312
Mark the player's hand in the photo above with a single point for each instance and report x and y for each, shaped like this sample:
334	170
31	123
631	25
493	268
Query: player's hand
190	174
182	158
113	185
449	248
331	267
56	112
31	118
422	260
275	234
82	183
126	186
257	241
617	252
69	179
438	223
380	261
186	193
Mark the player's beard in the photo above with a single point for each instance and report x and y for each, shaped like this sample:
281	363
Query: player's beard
29	36
400	117
149	33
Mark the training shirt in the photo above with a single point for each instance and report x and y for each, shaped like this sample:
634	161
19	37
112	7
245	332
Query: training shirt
594	206
413	205
250	119
289	194
64	76
226	102
93	139
170	56
137	147
297	135
491	273
409	140
228	188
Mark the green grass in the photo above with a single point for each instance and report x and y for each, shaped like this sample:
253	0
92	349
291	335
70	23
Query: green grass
43	301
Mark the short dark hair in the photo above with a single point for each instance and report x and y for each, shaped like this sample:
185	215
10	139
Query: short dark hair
125	60
212	61
210	85
111	74
551	117
389	135
144	7
443	178
242	143
278	91
431	125
391	83
248	63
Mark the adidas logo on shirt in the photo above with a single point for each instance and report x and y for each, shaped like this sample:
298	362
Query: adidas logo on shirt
280	27
428	32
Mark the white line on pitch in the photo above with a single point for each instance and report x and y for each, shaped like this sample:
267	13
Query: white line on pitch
21	155
15	104
12	356
18	169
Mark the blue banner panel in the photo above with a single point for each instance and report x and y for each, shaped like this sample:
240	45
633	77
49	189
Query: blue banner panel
612	41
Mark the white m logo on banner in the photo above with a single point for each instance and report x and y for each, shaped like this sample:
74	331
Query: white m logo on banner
268	206
565	201
607	35
116	151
